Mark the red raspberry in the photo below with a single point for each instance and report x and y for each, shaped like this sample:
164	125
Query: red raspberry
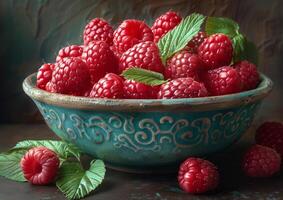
44	75
198	176
71	76
50	87
144	55
135	90
98	29
270	134
216	51
129	33
248	74
183	64
195	42
69	51
221	81
165	23
99	59
110	86
261	161
40	165
182	88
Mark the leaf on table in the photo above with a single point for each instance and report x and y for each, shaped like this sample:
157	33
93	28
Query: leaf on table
10	165
63	149
75	182
177	38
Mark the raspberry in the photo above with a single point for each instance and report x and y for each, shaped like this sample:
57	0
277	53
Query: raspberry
129	33
135	90
248	74
198	176
183	64
216	51
50	87
165	23
144	55
44	75
110	86
40	165
221	81
69	51
98	29
99	59
270	134
261	161
71	76
182	88
195	42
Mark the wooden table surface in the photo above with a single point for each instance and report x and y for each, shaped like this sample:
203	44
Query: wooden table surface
121	186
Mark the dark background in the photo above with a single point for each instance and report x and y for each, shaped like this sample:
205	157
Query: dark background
32	32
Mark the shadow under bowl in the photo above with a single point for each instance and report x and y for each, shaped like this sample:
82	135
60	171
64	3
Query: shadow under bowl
148	135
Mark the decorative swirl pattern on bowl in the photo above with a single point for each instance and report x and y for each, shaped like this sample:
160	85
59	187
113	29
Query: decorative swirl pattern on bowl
144	133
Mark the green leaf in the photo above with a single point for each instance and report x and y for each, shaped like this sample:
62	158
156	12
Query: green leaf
221	25
63	149
176	39
243	49
238	47
75	182
10	165
144	76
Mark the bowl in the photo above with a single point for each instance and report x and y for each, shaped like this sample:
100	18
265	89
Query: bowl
148	135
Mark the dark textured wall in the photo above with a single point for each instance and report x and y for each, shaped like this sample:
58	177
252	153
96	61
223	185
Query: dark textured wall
32	31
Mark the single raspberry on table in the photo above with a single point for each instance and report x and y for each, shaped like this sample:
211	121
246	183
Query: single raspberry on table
98	29
40	165
129	33
44	75
143	55
270	134
69	51
248	74
136	90
110	86
261	161
221	81
183	64
182	88
216	51
165	23
198	176
71	76
99	59
195	42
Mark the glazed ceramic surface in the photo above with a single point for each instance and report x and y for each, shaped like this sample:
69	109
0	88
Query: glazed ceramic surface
146	135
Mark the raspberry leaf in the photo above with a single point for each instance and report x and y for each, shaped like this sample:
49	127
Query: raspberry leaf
10	165
144	76
243	49
64	150
177	38
75	182
221	25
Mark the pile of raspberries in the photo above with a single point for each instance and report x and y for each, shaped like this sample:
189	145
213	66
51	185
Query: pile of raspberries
203	68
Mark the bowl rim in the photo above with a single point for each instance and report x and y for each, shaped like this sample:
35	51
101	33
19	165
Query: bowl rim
191	104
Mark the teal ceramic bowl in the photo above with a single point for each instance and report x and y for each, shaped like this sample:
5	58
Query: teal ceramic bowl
148	135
